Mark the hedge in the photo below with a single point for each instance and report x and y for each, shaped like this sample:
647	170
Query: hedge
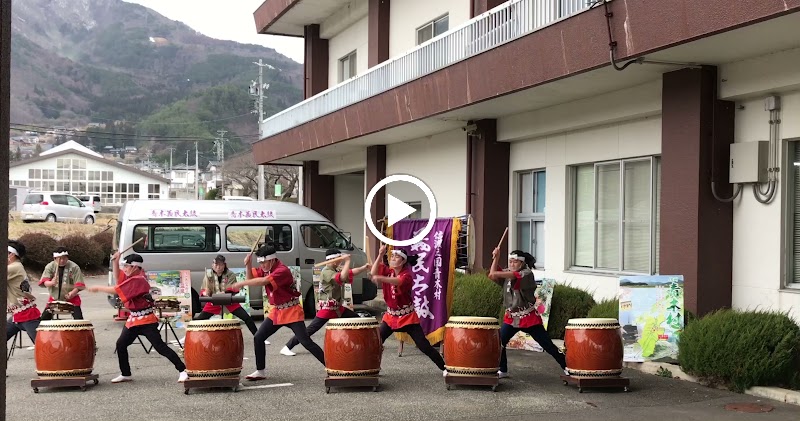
606	309
742	349
476	295
567	303
38	249
83	251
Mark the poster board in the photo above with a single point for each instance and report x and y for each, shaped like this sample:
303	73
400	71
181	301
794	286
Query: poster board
173	284
544	297
651	313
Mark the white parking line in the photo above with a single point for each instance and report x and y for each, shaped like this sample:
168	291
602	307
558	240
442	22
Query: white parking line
265	386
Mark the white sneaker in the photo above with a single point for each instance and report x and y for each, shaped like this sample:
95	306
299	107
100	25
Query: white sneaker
288	352
121	378
502	374
257	375
183	376
566	372
444	373
267	343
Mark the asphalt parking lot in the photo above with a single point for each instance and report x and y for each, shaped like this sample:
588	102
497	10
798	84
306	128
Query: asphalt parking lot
412	388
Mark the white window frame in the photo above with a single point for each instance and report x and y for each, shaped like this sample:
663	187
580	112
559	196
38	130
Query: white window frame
432	25
790	147
351	61
655	191
531	217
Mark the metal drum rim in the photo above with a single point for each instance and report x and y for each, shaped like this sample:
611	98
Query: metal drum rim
466	319
65	325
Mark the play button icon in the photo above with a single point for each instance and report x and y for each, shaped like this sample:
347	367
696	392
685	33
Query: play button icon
397	210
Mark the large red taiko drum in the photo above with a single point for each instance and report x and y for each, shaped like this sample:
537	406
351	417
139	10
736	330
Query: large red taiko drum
353	347
472	346
593	348
64	348
214	348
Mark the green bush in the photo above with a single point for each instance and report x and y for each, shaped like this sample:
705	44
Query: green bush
567	303
742	349
82	251
606	309
105	240
476	295
39	249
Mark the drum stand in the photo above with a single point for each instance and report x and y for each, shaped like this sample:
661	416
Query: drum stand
166	326
233	382
601	382
474	380
74	381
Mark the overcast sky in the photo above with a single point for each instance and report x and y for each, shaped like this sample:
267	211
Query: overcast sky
225	19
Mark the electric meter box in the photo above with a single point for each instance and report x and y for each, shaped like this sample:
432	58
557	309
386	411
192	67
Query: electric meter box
749	161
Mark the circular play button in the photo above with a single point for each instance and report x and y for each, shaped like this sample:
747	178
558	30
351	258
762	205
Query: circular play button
396	210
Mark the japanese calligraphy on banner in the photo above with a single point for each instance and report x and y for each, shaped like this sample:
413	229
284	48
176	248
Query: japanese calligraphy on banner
652	317
252	214
433	274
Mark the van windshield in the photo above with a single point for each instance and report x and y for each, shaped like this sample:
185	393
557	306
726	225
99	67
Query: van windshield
324	236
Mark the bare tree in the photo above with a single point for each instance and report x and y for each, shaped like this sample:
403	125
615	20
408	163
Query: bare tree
241	171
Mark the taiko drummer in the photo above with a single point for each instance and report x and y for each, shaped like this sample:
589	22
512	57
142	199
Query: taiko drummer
519	299
134	292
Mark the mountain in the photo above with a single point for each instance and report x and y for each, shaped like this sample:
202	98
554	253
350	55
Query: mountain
74	62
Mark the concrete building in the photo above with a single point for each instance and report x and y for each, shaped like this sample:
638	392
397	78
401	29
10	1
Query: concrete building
602	135
72	168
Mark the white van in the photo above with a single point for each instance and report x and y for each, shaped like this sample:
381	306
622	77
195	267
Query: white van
188	234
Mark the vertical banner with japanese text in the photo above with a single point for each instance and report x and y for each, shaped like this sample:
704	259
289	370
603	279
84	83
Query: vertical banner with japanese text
433	273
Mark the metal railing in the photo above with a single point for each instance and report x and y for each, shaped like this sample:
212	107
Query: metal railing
503	24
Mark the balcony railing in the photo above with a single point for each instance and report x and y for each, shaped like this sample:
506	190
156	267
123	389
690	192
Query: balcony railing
503	24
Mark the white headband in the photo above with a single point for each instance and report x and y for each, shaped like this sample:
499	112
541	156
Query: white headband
63	253
260	259
516	257
13	250
400	253
122	264
333	256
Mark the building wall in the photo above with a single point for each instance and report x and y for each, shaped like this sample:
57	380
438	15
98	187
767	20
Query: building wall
19	174
408	15
352	38
349	206
440	162
759	230
342	164
618	131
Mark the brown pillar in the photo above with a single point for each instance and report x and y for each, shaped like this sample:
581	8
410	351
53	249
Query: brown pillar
316	61
378	32
318	190
5	105
696	229
376	171
490	190
480	6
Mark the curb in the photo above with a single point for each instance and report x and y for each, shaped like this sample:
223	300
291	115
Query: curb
775	393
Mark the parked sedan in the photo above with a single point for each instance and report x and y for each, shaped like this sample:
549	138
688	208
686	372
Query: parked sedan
56	207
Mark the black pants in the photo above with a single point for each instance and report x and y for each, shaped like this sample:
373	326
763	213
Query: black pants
29	327
317	324
239	312
268	328
538	334
416	333
149	331
77	314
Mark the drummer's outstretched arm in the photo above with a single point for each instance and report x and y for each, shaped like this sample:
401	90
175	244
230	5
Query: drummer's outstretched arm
495	273
102	288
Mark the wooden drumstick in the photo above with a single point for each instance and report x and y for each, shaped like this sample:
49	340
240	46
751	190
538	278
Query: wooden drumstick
366	249
131	246
502	238
335	260
253	249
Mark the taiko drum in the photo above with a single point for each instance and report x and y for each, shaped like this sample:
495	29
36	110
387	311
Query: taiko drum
472	346
593	348
64	348
353	347
214	348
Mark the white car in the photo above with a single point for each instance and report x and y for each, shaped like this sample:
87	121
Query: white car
91	201
56	207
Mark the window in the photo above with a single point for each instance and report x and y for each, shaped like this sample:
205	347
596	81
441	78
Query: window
154	191
418	210
347	67
529	214
73	201
242	237
176	238
323	236
616	217
432	29
793	214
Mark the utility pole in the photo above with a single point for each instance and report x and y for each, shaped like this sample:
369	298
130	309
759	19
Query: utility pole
219	142
196	171
258	90
171	149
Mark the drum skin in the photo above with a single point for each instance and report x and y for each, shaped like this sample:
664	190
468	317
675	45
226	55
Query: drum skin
593	348
64	348
353	347
214	348
472	346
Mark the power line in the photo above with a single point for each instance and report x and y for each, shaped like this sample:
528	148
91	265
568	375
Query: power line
21	127
142	121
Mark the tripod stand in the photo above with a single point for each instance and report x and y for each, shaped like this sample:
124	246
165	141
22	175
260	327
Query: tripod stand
166	326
